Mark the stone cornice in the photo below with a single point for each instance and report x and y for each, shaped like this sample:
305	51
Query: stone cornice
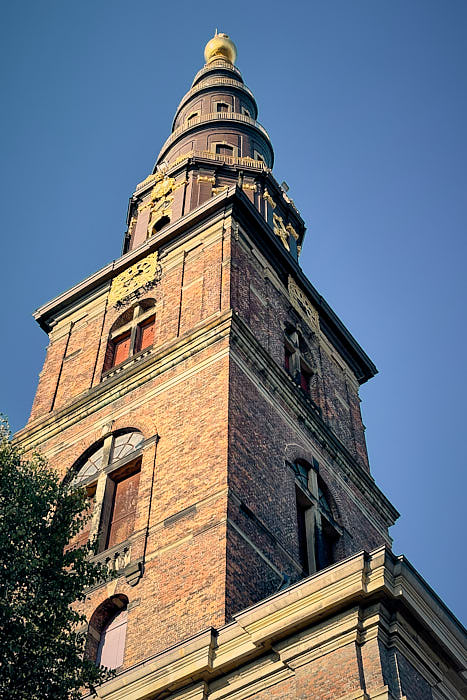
133	375
309	619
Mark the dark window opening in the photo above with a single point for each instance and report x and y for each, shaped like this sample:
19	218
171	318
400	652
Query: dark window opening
163	221
223	149
305	378
302	514
222	107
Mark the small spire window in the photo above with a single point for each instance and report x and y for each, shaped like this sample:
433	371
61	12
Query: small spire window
223	149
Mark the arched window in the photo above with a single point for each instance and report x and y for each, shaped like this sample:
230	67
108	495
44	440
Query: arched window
317	530
107	632
110	470
132	333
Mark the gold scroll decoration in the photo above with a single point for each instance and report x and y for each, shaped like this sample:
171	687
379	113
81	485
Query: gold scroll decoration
160	202
280	230
143	272
303	305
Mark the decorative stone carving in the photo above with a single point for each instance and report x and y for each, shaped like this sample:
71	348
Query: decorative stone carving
303	305
135	280
280	230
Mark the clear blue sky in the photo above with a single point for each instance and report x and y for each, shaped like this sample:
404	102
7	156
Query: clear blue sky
366	105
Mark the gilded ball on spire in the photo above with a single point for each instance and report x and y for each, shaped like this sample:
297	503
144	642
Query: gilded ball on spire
220	46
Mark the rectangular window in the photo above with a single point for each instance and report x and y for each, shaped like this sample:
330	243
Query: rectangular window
124	500
287	359
118	351
224	150
222	107
145	334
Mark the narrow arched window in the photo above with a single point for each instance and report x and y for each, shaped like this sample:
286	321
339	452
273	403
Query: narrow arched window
111	648
110	472
317	530
105	644
132	333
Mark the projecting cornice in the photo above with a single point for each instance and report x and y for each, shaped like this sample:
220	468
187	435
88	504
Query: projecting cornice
367	596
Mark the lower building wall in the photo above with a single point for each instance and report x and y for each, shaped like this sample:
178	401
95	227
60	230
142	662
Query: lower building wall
366	629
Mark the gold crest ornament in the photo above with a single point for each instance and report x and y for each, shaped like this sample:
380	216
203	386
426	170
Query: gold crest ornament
135	280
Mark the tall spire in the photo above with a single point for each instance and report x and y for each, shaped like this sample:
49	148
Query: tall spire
216	143
218	109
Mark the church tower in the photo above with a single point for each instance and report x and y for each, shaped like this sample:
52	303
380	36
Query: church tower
206	396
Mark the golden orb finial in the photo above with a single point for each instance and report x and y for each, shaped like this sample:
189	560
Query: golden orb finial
220	46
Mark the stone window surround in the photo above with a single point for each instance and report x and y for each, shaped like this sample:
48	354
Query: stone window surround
107	467
215	103
140	315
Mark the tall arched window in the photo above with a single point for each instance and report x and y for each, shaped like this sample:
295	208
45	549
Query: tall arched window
317	529
107	632
131	333
110	470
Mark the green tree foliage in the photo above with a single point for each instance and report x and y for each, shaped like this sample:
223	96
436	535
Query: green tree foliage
41	639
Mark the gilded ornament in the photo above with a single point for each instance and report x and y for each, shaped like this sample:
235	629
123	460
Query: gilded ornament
134	278
292	231
269	199
303	305
280	230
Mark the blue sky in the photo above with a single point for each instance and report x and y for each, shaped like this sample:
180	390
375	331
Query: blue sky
366	105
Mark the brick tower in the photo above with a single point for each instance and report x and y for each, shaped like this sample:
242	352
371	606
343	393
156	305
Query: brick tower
206	396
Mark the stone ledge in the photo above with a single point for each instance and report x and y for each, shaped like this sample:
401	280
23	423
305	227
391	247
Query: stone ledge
264	643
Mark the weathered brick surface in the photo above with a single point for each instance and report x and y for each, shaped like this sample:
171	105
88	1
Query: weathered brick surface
224	440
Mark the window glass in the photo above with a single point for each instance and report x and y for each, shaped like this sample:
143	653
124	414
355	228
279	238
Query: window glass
125	444
123	512
222	107
91	467
121	348
145	334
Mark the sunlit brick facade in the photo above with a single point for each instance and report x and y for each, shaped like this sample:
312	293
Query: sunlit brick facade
206	396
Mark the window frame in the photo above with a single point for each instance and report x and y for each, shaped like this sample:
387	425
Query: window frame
321	530
104	495
141	317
